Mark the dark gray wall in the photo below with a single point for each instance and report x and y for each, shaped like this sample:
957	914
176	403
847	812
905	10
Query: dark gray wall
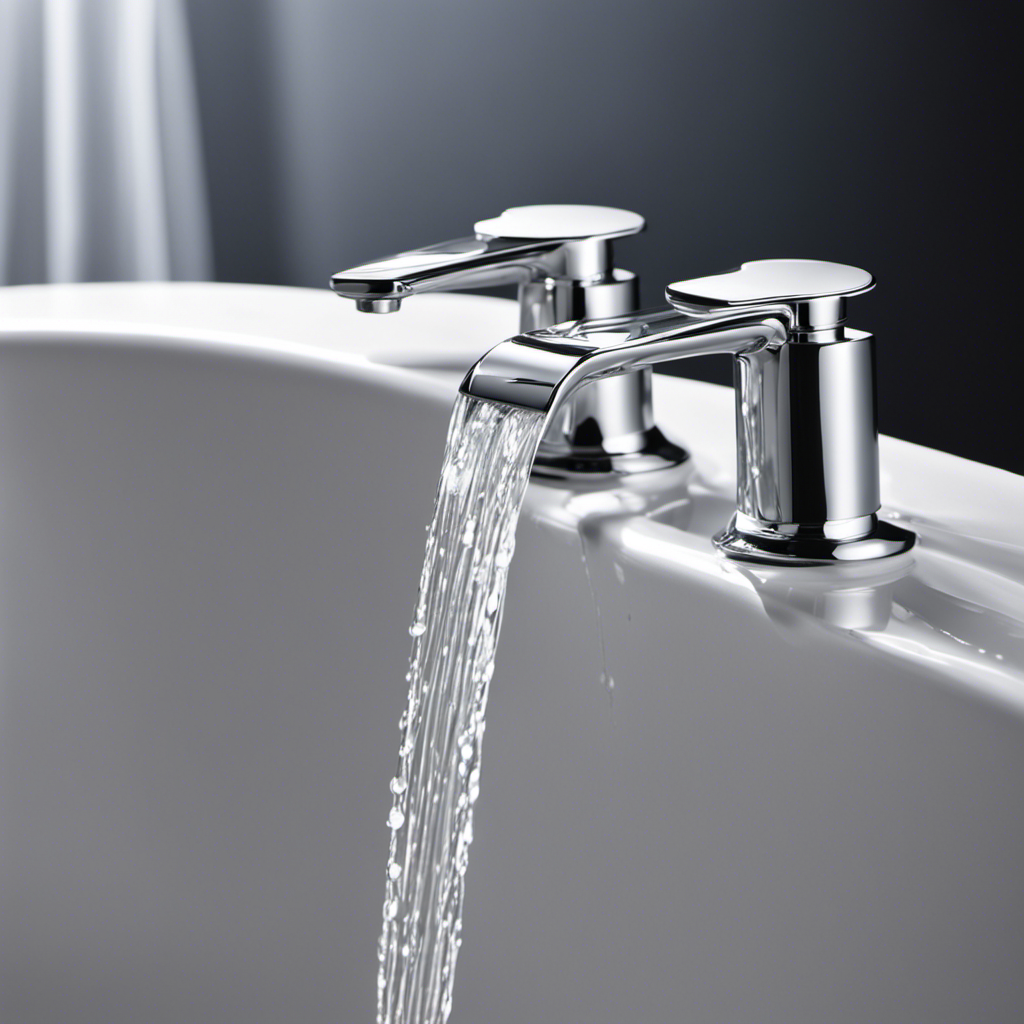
867	133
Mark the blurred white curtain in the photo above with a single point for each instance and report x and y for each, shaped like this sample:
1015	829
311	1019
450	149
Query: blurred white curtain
101	173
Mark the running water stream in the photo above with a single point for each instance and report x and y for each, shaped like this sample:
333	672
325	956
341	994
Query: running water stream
455	630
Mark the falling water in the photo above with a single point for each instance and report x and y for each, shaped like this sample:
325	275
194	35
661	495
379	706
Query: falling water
607	680
455	633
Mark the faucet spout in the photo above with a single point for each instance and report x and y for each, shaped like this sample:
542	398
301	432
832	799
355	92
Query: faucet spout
542	370
474	262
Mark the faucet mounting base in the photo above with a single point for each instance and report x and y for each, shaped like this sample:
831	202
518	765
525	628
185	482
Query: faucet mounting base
797	544
578	462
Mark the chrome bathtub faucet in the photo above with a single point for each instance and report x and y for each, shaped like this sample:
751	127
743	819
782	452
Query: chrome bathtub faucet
806	432
561	258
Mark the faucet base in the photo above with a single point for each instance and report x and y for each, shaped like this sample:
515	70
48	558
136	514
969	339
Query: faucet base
654	451
863	539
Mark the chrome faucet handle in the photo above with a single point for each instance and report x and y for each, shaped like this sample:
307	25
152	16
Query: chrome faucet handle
561	258
570	245
807	482
815	290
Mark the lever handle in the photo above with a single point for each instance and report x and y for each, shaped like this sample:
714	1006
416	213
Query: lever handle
815	290
561	223
525	243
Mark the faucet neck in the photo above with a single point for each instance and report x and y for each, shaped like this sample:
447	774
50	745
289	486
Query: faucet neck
556	300
609	425
807	481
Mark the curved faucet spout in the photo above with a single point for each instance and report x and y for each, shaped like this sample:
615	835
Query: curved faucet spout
474	262
543	369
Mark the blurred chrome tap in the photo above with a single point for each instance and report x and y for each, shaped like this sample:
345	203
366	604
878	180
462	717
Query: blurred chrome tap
561	258
807	440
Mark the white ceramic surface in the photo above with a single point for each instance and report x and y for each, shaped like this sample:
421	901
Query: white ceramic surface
801	802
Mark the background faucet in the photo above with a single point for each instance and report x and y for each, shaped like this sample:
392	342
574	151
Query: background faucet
561	258
807	488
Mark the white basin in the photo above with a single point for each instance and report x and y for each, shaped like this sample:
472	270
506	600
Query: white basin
802	801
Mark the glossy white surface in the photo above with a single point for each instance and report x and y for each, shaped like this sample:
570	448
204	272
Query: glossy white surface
802	801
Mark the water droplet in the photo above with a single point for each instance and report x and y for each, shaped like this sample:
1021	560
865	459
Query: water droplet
417	629
398	785
394	870
391	910
396	819
467	751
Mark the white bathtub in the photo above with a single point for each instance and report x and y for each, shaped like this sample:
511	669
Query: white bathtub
801	803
